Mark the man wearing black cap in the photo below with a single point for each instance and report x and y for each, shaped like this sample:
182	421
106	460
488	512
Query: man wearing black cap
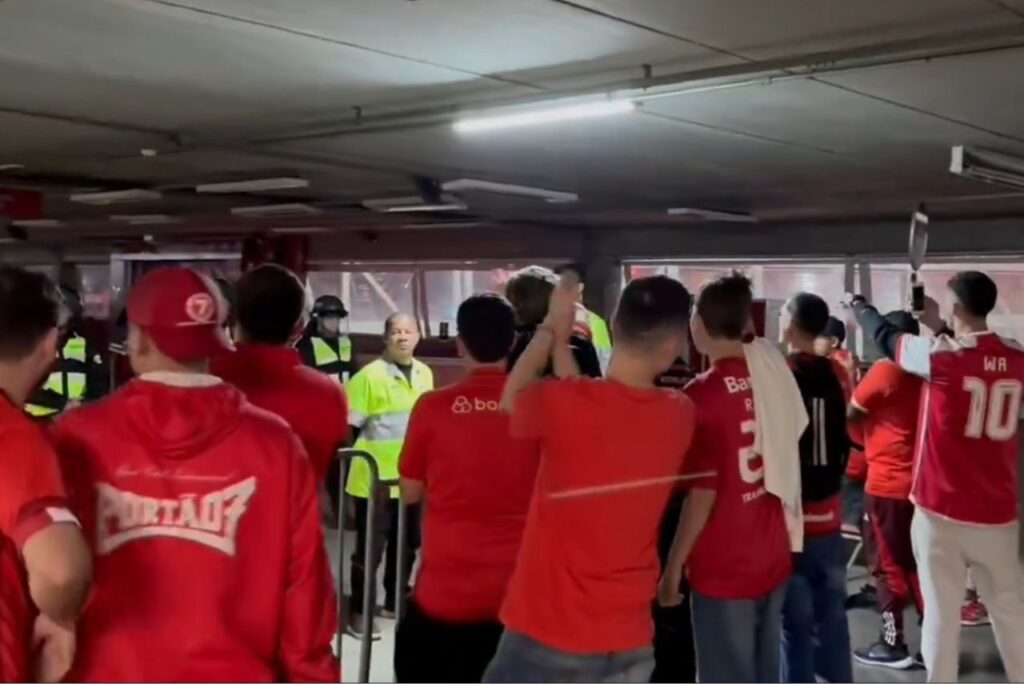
324	347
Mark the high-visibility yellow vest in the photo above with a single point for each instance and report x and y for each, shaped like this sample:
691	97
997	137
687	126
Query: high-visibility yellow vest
71	364
380	401
601	339
325	354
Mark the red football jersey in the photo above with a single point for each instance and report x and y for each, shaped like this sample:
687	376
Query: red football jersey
31	498
479	480
313	404
743	551
611	457
965	462
209	559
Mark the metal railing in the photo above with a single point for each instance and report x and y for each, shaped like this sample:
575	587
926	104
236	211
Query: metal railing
378	488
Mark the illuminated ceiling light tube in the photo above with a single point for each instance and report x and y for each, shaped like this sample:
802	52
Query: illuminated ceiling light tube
590	110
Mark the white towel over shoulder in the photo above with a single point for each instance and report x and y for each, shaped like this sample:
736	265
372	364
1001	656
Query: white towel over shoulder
781	421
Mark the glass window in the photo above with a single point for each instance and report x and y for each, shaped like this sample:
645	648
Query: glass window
445	290
369	296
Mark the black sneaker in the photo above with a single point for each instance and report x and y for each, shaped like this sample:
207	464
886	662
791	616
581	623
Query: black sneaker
867	597
883	655
354	628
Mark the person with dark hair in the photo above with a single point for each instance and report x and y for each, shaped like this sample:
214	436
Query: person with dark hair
815	631
529	290
732	535
965	486
599	335
381	397
885	404
270	304
459	455
44	560
201	509
578	606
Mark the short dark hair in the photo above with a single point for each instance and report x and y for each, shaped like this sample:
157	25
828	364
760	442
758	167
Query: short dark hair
975	291
29	307
809	312
487	327
904	322
835	328
651	308
269	303
529	292
723	305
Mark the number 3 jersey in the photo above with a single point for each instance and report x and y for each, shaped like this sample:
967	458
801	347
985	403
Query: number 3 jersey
965	463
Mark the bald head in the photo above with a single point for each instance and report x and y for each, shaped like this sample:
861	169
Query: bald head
401	336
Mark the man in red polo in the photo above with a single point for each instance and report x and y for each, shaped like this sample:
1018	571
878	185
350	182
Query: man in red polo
459	455
201	508
578	606
44	561
270	305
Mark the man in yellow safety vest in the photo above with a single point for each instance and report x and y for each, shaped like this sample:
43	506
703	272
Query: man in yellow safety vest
380	399
73	378
324	347
599	335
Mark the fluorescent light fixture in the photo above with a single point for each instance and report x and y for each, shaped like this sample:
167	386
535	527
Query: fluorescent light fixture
300	231
988	166
469	184
443	224
39	223
413	203
713	215
535	117
144	219
115	197
265	210
257	185
11	167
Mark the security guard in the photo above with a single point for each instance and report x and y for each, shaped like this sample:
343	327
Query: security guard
380	399
74	375
324	346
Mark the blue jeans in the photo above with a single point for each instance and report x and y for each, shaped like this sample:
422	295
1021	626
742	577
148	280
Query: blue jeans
815	634
738	640
522	659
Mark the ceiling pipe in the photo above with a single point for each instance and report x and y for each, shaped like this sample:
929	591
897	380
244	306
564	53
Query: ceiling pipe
114	126
811	65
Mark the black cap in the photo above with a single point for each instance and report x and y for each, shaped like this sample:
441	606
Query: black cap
835	328
329	305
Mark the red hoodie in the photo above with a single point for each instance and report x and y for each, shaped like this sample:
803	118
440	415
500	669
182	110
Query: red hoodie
313	404
202	512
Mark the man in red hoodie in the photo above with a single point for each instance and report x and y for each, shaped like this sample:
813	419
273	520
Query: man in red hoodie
269	311
201	509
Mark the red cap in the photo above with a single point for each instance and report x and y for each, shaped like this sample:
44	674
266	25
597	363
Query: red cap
182	312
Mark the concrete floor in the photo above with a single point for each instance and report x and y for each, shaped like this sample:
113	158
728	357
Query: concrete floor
979	659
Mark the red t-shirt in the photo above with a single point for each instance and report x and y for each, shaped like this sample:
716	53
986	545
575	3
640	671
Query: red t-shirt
31	498
612	455
890	399
313	404
209	558
857	465
479	480
967	455
743	551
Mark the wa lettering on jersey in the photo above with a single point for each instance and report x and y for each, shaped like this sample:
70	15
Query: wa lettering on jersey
209	519
965	461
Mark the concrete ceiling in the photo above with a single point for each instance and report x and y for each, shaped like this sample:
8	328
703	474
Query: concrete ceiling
357	96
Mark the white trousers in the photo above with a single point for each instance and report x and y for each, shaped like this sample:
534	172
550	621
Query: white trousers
943	550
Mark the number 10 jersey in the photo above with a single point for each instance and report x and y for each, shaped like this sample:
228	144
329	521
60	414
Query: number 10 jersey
967	452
